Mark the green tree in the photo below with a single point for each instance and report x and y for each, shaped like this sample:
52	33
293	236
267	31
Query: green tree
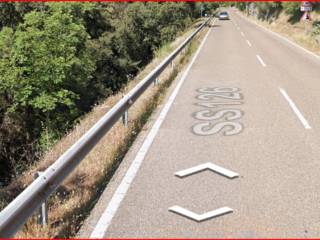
173	18
8	15
11	14
267	10
58	59
48	67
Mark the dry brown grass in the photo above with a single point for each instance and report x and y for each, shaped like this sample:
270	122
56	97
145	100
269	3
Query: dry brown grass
72	202
299	32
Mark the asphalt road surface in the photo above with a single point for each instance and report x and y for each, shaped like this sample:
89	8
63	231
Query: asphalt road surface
246	116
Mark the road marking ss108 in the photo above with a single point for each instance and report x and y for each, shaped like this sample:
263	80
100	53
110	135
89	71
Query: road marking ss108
210	118
295	109
207	166
106	217
200	217
261	61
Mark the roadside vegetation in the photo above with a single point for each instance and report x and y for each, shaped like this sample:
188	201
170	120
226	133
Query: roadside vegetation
61	61
284	18
74	199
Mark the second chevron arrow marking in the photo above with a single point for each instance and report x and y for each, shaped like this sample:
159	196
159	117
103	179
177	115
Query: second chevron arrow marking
200	217
205	166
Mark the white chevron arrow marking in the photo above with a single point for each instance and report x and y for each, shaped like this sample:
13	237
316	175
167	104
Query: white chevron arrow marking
202	217
205	166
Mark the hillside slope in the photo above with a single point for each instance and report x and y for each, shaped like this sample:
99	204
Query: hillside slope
284	18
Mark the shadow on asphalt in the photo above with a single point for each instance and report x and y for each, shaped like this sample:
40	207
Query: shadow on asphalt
214	26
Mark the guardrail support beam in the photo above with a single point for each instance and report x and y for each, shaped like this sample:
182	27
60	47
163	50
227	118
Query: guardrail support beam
156	82
125	118
42	216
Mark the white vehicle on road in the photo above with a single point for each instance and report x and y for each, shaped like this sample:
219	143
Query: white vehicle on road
223	16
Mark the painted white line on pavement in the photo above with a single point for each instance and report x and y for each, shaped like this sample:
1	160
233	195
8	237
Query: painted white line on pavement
106	218
200	217
282	37
295	109
249	43
215	168
242	34
261	61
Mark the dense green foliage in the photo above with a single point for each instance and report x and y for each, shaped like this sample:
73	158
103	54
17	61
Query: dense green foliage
59	59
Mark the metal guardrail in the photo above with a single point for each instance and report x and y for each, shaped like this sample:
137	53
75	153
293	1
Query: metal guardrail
30	200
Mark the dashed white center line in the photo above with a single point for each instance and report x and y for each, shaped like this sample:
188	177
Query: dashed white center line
249	43
242	34
295	109
261	61
280	37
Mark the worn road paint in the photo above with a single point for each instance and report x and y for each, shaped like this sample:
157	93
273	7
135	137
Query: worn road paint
228	128
209	115
249	43
211	120
216	104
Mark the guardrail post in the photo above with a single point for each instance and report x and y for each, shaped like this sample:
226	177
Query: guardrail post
172	64
42	216
184	50
156	82
125	118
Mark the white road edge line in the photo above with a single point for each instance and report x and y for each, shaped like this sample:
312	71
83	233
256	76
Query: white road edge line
249	43
261	61
242	34
106	218
295	109
282	37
